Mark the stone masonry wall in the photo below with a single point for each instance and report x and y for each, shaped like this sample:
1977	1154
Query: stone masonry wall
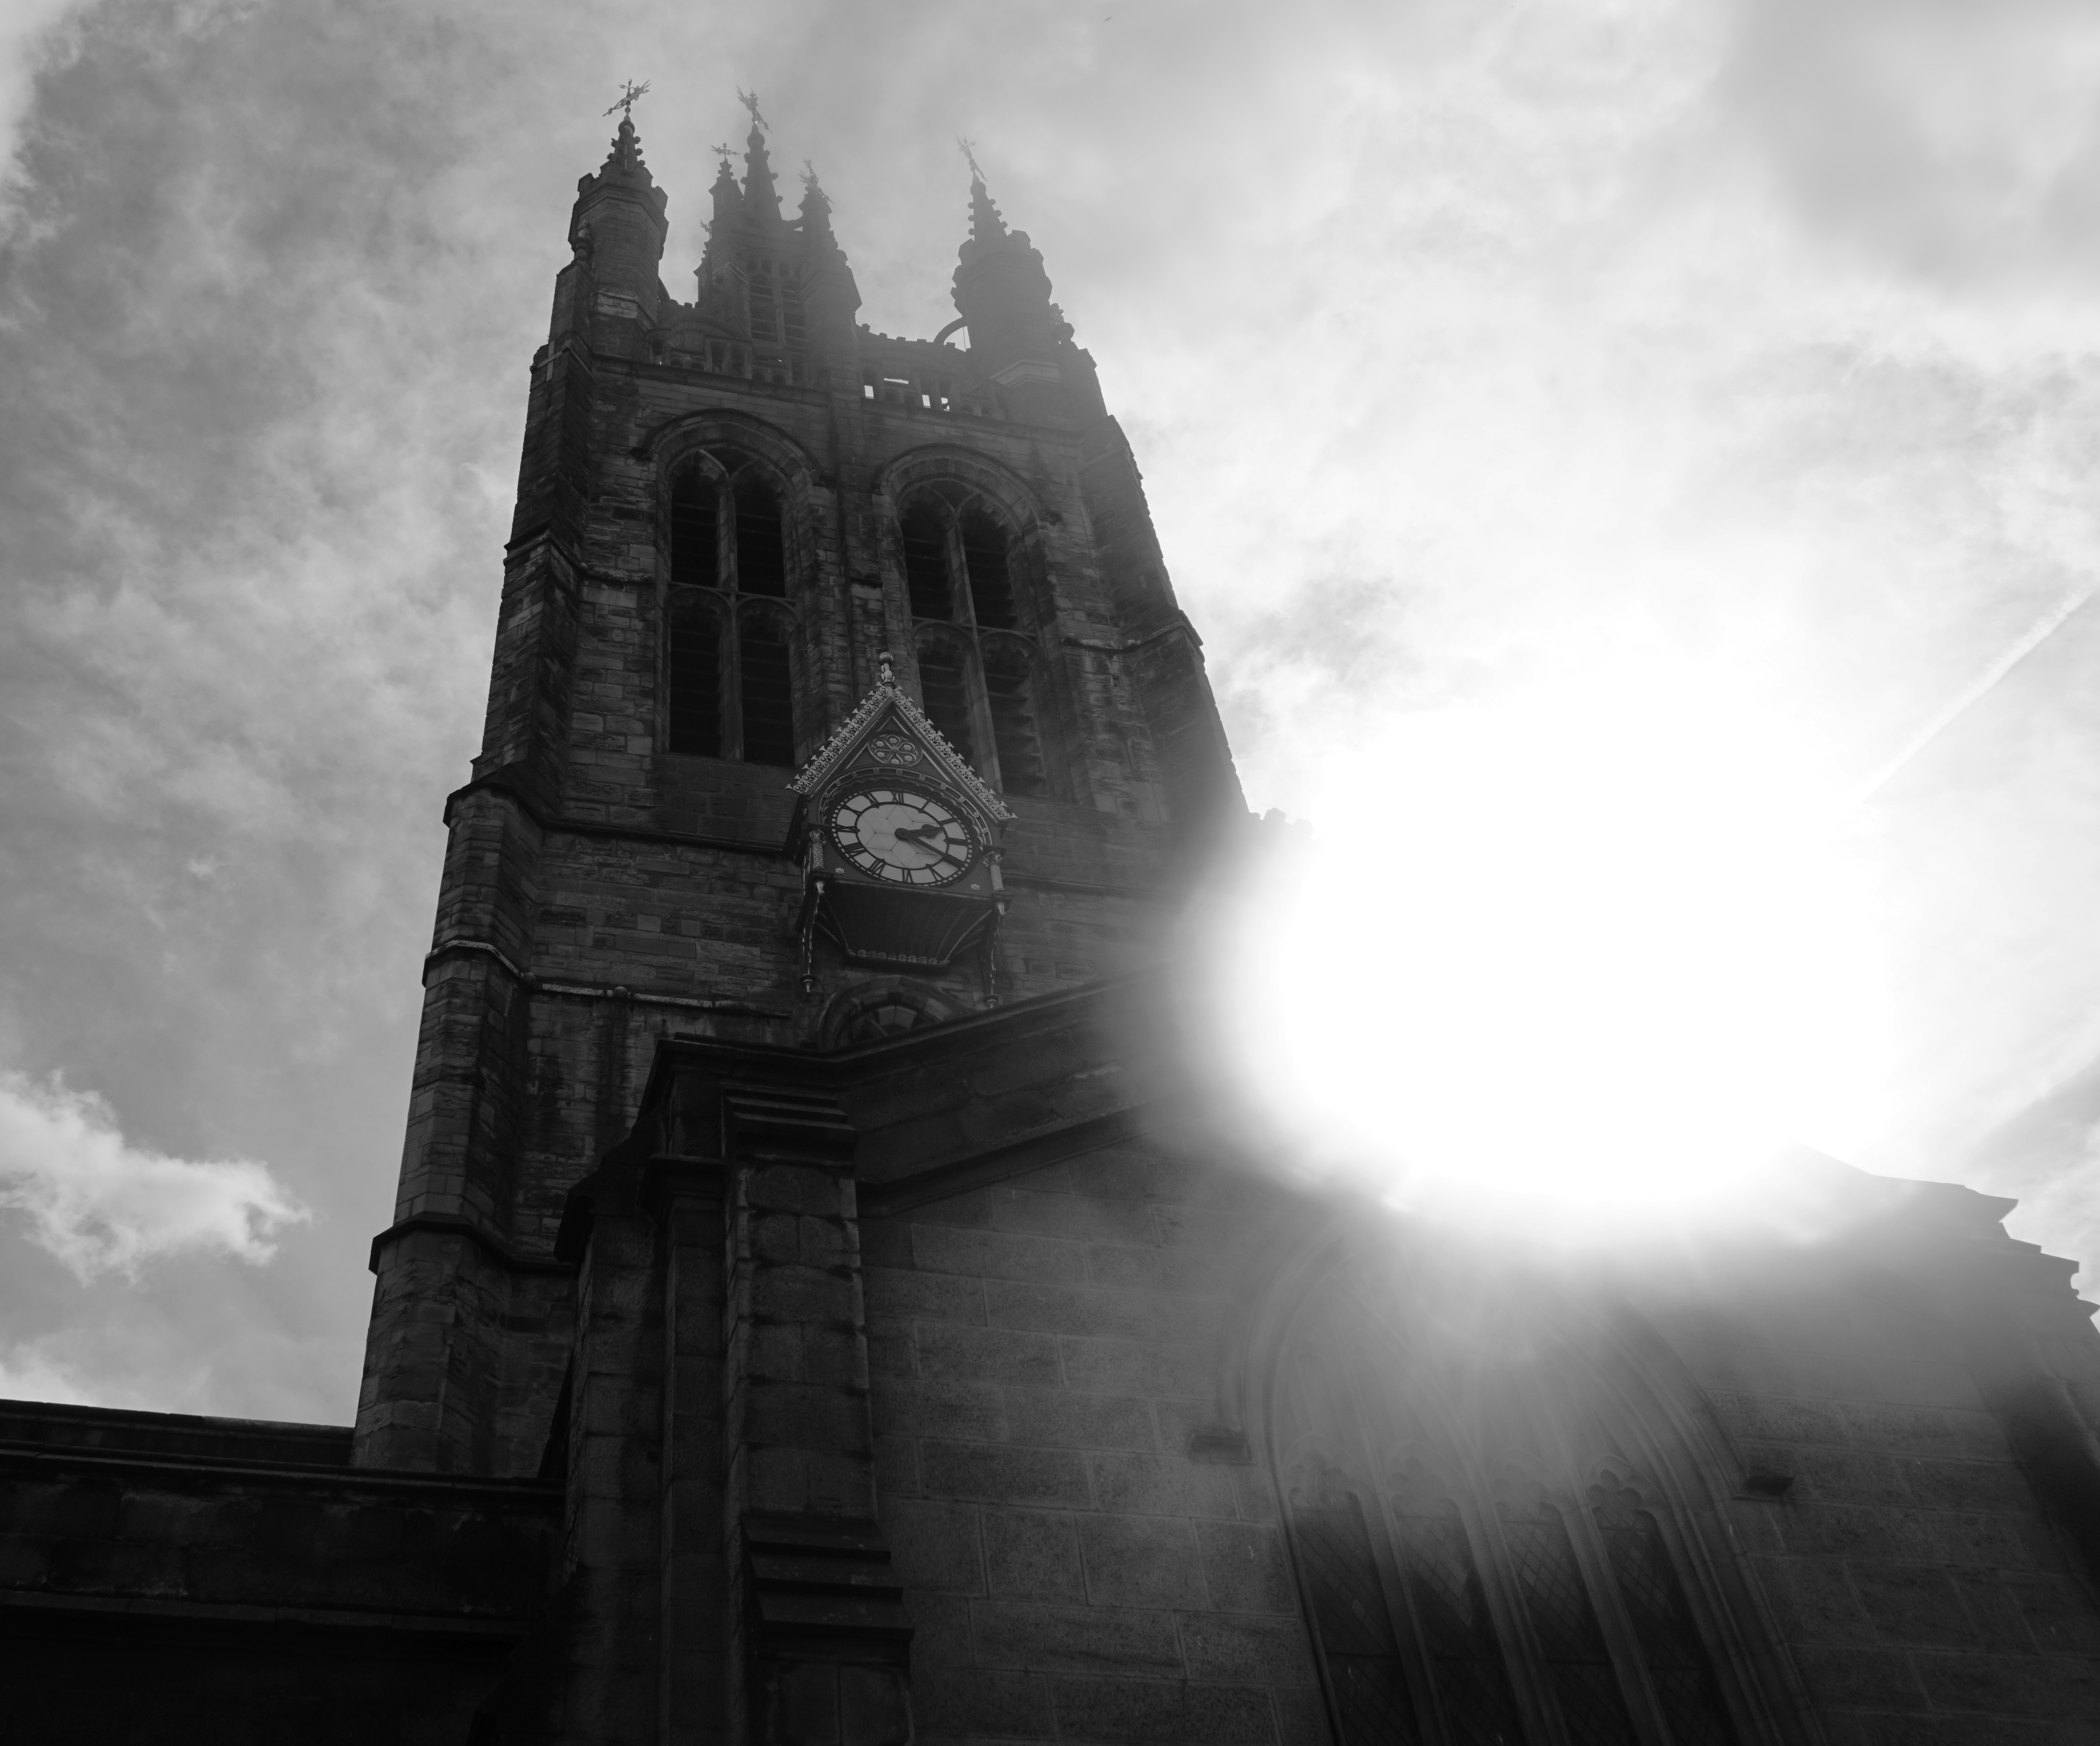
1923	1590
1043	1352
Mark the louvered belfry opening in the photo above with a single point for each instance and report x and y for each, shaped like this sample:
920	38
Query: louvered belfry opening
957	549
762	551
695	531
763	327
1013	722
728	674
926	566
984	558
693	682
941	682
769	696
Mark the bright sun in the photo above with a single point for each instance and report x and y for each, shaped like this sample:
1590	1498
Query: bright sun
1586	956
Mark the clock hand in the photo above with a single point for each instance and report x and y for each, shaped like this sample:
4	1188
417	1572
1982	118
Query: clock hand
918	834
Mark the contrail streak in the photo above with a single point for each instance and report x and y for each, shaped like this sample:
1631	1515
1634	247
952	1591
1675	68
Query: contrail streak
2037	633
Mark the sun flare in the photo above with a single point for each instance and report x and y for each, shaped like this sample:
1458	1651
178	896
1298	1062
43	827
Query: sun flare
1587	954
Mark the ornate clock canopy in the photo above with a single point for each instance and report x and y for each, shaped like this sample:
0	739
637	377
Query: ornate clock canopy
899	840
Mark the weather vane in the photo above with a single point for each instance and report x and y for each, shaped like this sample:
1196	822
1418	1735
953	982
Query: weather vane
751	102
630	90
968	147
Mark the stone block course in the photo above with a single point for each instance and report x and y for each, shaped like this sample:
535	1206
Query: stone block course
1992	1604
1859	1531
1141	1561
1064	1419
930	1296
935	1546
1042	1636
1137	1367
954	1351
976	1704
1245	1568
1163	1485
1852	1678
989	1255
1156	1711
1099	1311
1033	1555
1230	1650
972	1411
1912	1603
1003	1474
2012	1685
2057	1611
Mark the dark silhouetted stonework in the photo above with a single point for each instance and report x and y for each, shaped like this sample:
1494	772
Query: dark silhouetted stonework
769	1346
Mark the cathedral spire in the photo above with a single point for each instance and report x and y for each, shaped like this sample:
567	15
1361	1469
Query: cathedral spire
985	223
729	204
816	207
1004	296
760	199
625	156
617	225
829	295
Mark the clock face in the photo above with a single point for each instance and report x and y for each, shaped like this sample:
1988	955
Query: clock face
903	834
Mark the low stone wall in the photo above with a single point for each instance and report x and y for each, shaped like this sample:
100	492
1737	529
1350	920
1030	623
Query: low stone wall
165	1578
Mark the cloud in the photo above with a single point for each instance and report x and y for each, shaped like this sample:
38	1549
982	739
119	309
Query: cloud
28	1373
1465	348
30	39
101	1205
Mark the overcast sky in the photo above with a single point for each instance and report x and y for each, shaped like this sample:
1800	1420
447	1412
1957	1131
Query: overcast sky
1476	354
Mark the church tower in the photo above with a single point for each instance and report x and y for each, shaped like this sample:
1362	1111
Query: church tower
740	516
834	1299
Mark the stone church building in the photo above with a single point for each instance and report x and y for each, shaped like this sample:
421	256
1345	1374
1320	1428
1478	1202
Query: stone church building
832	1297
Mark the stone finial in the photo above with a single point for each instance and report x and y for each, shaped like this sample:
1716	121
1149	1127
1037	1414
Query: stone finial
625	156
760	198
885	667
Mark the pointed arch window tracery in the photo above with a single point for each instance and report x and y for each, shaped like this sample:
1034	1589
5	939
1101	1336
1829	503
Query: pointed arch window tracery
979	667
1479	1561
729	667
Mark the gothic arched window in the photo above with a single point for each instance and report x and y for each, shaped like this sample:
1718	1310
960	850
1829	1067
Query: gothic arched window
729	671
692	691
978	666
768	701
944	683
1479	1560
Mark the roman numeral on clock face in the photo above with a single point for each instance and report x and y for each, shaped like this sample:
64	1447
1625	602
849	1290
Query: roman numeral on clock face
903	836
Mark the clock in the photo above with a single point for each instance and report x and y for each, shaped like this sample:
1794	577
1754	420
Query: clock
904	835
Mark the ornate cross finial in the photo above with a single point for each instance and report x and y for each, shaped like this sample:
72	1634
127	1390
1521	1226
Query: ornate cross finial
724	152
968	147
630	91
750	101
809	174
